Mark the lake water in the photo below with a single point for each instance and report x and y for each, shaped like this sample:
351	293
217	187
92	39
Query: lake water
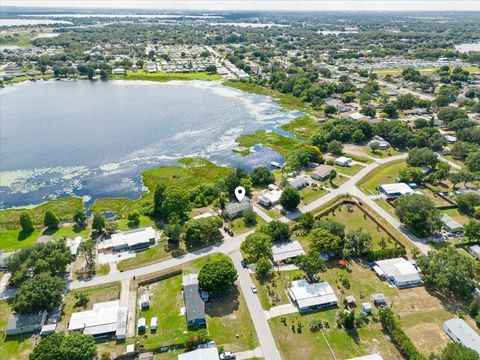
27	22
93	139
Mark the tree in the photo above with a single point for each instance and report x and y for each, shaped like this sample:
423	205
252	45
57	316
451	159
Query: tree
158	198
202	231
290	198
262	176
80	218
176	203
41	292
26	223
249	217
422	157
256	246
311	263
473	162
134	217
174	231
368	111
331	226
461	176
332	175
98	222
472	230
411	174
50	220
81	298
467	202
329	110
374	146
335	147
323	241
217	276
88	249
456	351
263	266
450	272
211	69
358	136
405	102
418	213
391	110
357	243
59	346
278	230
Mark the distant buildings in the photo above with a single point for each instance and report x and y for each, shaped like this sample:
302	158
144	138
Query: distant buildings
459	331
313	296
134	240
398	272
194	304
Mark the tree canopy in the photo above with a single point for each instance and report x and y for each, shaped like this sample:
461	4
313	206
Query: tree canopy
217	276
418	213
290	198
59	346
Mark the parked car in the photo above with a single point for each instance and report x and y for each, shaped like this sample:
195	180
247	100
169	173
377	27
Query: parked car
228	230
244	264
254	289
228	356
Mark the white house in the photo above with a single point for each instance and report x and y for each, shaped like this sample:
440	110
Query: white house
298	182
459	331
286	250
343	161
308	296
398	271
395	190
451	225
118	71
208	352
271	198
137	239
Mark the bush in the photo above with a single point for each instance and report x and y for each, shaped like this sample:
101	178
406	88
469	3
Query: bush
375	255
290	198
249	217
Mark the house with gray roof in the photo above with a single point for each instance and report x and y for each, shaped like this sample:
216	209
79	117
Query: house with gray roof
236	209
194	304
25	323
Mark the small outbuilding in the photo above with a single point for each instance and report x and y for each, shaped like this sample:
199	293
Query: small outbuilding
144	302
141	324
153	323
367	308
379	299
343	161
475	251
350	299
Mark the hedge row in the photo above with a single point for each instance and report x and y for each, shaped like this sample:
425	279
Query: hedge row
375	255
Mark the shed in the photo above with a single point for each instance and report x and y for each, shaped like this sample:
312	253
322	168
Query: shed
48	329
367	308
379	299
350	299
144	302
153	323
343	161
141	324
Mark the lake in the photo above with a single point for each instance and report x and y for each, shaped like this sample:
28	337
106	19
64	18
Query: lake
28	22
93	139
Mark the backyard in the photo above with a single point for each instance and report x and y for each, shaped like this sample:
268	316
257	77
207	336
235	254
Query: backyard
13	347
385	174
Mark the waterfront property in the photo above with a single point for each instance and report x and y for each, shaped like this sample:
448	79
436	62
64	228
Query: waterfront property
310	296
133	240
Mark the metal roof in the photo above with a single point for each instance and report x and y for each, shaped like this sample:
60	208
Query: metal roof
461	332
286	250
308	295
194	304
210	353
399	269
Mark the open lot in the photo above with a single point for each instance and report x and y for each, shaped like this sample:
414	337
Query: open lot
349	170
67	231
384	174
11	240
162	77
311	193
239	227
13	347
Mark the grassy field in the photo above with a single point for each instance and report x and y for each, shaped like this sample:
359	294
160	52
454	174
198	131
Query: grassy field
282	144
151	255
384	174
124	224
455	214
67	231
11	240
103	269
382	153
239	227
302	127
13	347
310	193
96	294
287	101
349	170
163	77
64	208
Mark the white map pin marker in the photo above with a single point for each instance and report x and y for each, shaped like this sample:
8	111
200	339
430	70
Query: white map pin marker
240	193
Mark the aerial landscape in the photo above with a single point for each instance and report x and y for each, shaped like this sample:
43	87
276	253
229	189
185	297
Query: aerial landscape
209	180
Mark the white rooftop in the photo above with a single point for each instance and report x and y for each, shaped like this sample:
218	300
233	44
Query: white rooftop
272	196
209	353
399	269
307	295
285	250
130	238
397	188
463	332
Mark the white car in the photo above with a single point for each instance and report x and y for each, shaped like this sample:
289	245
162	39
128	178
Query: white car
228	356
254	289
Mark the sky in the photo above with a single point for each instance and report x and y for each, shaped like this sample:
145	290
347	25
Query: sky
298	5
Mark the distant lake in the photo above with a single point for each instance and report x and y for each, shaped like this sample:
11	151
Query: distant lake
463	48
93	139
245	24
26	22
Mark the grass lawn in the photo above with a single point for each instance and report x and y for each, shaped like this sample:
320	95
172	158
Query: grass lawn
162	77
103	269
382	153
302	127
64	208
349	170
13	347
11	240
151	255
239	227
124	224
96	294
67	231
272	291
282	144
287	101
455	214
310	193
437	200
384	174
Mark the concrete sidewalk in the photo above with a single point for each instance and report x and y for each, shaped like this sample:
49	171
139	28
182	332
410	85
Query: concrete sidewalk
282	310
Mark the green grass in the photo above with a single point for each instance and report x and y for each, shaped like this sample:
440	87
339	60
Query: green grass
11	240
359	158
384	174
310	193
398	71
121	206
163	77
349	170
239	227
272	291
282	144
302	127
64	208
151	255
103	269
13	347
455	214
381	154
67	231
287	101
145	221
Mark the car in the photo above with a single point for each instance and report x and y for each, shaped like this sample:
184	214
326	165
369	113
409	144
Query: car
228	356
244	264
254	289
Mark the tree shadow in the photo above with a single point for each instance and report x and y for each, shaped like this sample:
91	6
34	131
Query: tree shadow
353	333
224	304
22	235
50	232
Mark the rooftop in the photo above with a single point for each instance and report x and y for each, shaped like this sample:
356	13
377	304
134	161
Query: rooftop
286	250
209	353
129	238
307	295
399	269
463	332
396	189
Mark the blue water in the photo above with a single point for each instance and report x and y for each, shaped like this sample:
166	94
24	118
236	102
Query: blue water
93	139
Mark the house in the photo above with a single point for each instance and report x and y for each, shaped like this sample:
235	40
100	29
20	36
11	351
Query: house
367	308
298	182
309	297
134	240
382	143
343	161
236	209
141	324
459	331
209	352
194	304
398	272
271	198
357	116
475	251
25	323
451	225
286	250
322	172
153	323
144	302
368	357
105	319
379	299
395	190
118	71
48	329
273	187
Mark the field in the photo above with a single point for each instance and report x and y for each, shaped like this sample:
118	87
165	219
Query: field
67	231
11	240
124	224
310	193
14	347
282	144
151	255
163	77
302	127
384	174
64	208
239	227
349	170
